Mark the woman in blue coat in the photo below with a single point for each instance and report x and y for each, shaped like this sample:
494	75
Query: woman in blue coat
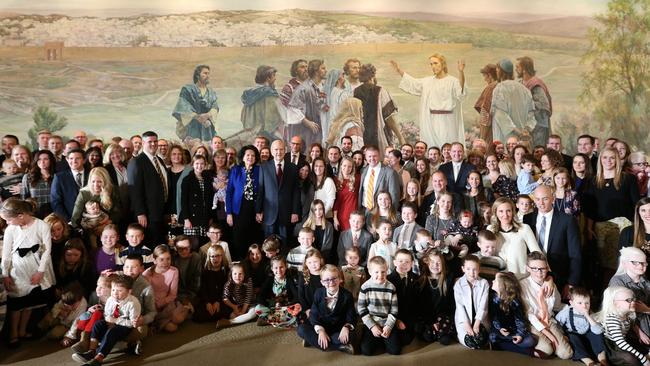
241	194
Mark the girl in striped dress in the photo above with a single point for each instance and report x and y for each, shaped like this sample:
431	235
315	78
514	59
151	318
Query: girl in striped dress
625	343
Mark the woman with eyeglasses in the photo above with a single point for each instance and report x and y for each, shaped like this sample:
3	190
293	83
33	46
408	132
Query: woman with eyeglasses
631	275
638	235
617	317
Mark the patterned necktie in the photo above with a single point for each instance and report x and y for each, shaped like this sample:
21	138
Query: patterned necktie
77	179
355	239
116	312
294	159
368	200
161	176
542	234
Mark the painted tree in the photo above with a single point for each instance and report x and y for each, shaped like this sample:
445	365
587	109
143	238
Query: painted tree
45	119
617	76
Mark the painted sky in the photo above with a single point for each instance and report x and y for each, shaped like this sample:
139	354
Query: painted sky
456	7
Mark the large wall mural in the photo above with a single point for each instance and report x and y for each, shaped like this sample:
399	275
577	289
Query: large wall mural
120	71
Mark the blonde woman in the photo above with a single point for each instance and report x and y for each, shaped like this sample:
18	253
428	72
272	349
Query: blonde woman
99	188
514	239
347	194
609	205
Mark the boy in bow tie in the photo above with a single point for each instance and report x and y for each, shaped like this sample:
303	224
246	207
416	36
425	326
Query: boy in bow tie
332	316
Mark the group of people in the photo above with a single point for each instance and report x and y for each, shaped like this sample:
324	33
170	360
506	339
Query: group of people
359	246
322	105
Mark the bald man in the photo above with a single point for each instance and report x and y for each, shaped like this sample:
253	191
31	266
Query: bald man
558	236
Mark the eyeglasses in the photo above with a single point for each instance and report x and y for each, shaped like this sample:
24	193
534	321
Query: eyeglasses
645	163
629	300
538	269
329	280
182	248
639	264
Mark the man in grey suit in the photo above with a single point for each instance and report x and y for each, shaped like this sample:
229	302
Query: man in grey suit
375	178
278	206
355	236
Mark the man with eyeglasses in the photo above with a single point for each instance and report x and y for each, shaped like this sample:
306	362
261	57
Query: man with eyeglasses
558	236
639	167
631	274
295	155
81	138
542	309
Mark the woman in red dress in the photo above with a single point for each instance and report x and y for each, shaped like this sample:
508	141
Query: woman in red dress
347	193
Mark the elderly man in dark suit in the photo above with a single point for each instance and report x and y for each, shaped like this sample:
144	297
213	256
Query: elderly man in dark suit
457	170
278	206
66	184
149	190
557	235
377	177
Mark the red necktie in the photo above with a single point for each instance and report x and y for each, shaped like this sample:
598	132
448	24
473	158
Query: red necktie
116	312
278	174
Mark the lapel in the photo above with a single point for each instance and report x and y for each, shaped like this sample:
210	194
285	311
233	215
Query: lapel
555	221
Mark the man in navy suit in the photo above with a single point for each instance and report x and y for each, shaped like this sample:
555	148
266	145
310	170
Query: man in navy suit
557	235
149	190
66	184
332	316
278	206
457	170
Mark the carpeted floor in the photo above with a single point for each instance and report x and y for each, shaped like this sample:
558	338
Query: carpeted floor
199	344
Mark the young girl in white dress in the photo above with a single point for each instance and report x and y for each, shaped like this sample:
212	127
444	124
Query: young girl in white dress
26	263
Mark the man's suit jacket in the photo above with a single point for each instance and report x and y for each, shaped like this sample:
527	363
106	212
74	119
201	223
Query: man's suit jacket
409	166
345	242
568	161
330	169
457	185
146	189
563	250
278	202
64	192
387	180
411	239
301	158
333	320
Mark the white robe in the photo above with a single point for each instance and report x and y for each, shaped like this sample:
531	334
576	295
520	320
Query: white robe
512	108
444	94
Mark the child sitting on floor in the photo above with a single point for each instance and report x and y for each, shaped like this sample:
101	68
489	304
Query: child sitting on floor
120	317
332	316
